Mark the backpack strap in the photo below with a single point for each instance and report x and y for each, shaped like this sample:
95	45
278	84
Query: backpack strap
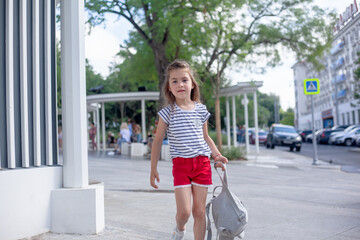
209	235
227	191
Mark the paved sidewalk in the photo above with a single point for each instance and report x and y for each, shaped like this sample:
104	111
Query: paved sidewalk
286	197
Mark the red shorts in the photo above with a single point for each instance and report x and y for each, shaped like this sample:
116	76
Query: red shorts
188	171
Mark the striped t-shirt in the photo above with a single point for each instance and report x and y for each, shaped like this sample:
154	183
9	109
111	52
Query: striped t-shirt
185	130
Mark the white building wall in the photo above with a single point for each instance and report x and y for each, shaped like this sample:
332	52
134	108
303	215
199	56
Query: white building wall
331	85
25	201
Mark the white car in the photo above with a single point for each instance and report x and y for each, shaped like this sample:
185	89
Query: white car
309	137
335	135
348	138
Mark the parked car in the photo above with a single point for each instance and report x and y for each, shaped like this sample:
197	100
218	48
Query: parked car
304	133
262	137
357	142
309	137
347	138
325	135
283	135
340	127
334	135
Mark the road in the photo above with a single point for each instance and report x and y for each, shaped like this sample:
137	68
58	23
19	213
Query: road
347	157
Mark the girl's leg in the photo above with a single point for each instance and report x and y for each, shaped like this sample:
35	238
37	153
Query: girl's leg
183	206
198	211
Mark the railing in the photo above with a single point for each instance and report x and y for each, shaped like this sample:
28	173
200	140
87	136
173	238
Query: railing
339	78
337	48
338	63
340	94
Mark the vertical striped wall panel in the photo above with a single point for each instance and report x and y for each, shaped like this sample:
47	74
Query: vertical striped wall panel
3	134
28	132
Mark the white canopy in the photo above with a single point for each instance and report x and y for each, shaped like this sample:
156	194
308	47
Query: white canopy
237	90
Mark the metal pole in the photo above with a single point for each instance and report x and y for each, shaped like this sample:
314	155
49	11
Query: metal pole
256	123
313	131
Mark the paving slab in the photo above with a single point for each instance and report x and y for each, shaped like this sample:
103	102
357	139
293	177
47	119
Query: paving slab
286	196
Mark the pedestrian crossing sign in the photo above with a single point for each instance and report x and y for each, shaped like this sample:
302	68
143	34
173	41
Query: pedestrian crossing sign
311	86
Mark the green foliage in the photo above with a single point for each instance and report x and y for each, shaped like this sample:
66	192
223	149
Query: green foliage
213	35
287	117
234	153
92	79
212	134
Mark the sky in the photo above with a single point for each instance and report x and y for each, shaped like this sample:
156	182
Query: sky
278	80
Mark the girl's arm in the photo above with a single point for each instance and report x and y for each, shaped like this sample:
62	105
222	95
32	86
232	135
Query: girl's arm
214	150
155	152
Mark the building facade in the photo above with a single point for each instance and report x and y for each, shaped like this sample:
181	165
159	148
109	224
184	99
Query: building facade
335	105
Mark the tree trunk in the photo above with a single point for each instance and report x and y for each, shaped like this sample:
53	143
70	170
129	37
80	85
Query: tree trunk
161	62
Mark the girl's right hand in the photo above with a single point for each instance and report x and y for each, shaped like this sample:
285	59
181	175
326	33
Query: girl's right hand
154	175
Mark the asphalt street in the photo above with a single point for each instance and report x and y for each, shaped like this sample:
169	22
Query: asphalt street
347	157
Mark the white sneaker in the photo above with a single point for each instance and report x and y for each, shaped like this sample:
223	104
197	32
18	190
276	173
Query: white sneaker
177	234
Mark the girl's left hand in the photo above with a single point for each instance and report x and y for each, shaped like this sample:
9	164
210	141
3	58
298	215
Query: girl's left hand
220	161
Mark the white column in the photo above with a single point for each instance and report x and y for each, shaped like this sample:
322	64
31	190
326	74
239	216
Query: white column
97	122
24	86
103	125
73	85
228	122
234	120
256	123
36	83
143	126
48	90
94	120
246	124
10	113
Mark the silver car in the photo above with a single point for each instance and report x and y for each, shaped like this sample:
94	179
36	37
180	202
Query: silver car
348	138
335	135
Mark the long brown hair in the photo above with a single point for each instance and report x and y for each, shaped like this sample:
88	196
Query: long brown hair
180	64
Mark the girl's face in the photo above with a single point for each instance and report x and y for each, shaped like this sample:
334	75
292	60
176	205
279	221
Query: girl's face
180	84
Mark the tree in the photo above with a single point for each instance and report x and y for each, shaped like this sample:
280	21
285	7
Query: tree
357	80
219	34
246	33
92	79
287	117
159	23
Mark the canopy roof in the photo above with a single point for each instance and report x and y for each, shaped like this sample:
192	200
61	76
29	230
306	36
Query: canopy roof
122	97
240	88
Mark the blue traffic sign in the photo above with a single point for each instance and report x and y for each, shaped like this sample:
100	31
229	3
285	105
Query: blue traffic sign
311	86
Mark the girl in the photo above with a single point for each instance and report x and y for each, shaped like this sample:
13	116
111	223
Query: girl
185	120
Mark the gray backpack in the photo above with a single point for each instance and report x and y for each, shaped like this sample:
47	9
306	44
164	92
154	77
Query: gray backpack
229	214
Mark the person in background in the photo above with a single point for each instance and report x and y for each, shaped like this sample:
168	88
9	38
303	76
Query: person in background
123	137
130	126
150	136
136	135
92	135
60	138
110	138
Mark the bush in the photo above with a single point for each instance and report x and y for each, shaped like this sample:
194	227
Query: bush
212	134
234	153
